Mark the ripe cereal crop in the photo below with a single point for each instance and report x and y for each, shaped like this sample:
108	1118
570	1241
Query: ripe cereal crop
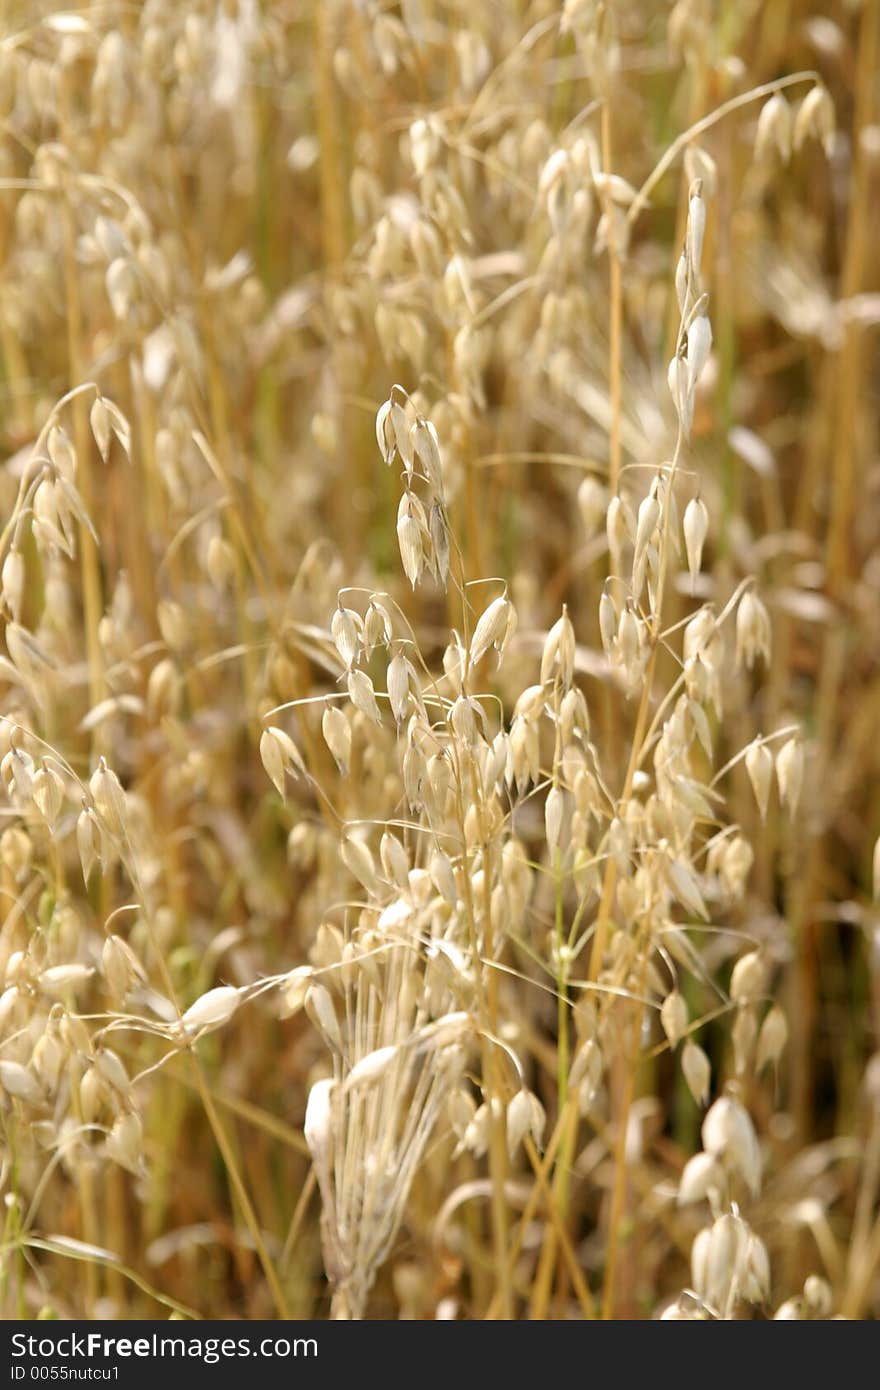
440	663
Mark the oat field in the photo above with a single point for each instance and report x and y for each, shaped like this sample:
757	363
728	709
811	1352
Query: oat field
440	676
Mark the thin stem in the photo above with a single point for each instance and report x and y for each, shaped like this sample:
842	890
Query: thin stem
615	313
240	1190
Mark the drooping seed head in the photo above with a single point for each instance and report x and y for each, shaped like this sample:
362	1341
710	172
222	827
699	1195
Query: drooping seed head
701	1177
697	1071
748	982
772	1038
759	766
696	526
347	630
790	773
699	345
211	1010
696	225
729	1135
337	735
774	131
753	630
